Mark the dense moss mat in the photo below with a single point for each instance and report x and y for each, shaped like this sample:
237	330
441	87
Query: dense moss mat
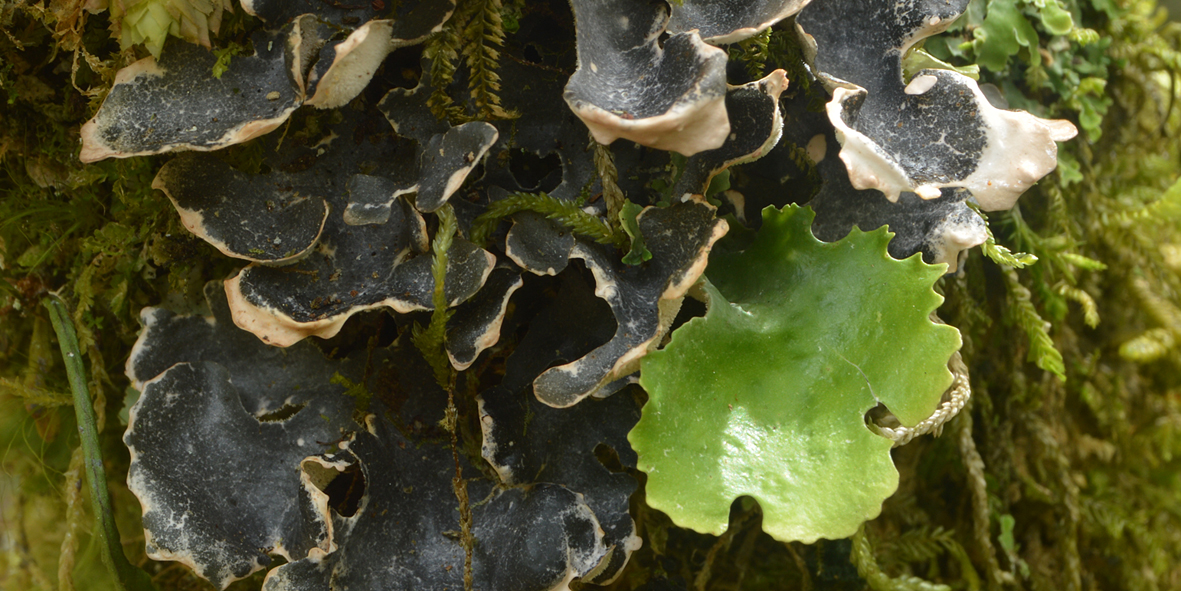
1064	474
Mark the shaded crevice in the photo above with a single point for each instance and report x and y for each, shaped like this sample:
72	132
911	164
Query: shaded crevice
345	490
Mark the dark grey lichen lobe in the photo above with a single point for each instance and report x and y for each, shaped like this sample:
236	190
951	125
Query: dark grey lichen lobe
862	41
268	217
404	535
527	441
538	244
363	271
476	323
754	128
680	238
664	85
936	136
550	127
371	199
623	70
447	159
617	45
267	377
178	104
727	21
919	225
571	325
220	489
407	110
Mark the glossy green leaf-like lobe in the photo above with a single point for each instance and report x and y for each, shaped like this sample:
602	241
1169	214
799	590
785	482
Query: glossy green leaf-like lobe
766	395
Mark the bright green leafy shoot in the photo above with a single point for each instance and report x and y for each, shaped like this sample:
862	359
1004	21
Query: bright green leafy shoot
224	56
628	219
917	59
1003	33
430	340
766	395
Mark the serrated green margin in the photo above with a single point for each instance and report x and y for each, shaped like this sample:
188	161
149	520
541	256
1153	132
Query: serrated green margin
717	426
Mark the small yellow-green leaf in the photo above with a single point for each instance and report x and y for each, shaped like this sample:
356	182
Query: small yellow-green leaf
1055	19
917	59
638	253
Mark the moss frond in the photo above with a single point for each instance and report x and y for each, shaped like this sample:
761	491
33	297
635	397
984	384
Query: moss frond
485	32
1151	345
443	52
1041	346
1084	300
999	254
785	52
753	52
474	33
567	213
865	561
430	340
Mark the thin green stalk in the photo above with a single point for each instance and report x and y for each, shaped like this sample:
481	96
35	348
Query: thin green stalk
127	576
867	566
431	343
608	177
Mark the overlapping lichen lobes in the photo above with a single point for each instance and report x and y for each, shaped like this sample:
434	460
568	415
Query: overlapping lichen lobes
680	238
366	255
936	130
787	426
207	473
268	378
531	538
627	85
517	434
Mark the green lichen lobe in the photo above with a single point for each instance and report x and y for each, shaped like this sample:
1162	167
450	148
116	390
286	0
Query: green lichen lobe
766	395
